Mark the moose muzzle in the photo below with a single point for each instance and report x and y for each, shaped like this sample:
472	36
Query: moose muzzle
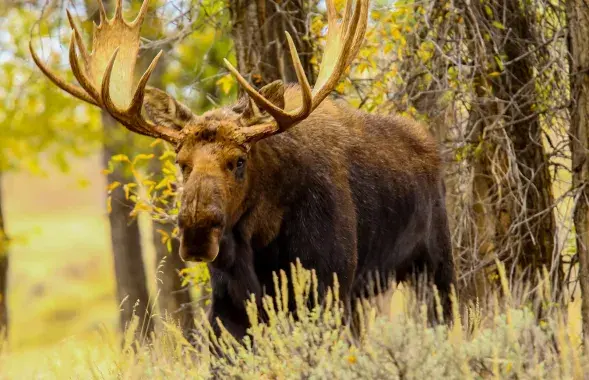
200	244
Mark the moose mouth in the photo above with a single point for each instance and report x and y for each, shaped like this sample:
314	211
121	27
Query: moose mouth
200	245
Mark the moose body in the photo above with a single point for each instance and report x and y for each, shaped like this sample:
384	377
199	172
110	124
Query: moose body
345	192
284	174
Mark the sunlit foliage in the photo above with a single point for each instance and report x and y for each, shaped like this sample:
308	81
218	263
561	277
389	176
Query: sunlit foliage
37	122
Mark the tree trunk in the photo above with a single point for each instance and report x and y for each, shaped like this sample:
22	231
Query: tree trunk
260	44
538	229
512	188
3	273
578	21
132	289
173	298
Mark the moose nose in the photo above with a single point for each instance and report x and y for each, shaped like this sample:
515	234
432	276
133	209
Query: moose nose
198	244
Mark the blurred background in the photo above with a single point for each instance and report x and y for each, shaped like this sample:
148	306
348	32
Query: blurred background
87	209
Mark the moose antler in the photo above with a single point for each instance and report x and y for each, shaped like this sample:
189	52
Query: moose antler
111	39
343	43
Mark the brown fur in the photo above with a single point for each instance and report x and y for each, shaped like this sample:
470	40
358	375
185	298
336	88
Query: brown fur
343	191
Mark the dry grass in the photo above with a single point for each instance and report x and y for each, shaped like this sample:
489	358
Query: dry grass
501	338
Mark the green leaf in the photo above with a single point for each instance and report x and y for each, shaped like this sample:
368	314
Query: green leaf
498	25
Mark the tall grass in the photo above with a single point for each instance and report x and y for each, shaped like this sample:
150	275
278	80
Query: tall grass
515	333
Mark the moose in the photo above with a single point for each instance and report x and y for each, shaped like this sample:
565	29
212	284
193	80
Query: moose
284	174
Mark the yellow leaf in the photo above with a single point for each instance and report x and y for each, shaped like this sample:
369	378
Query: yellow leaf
225	82
156	142
498	25
165	236
127	188
142	157
113	186
120	158
167	154
396	34
109	205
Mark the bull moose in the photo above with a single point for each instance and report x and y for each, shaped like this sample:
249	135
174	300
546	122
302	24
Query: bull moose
286	173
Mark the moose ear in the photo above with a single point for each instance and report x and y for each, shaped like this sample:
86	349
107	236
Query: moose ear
274	92
163	109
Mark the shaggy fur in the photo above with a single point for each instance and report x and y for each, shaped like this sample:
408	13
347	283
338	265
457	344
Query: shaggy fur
343	191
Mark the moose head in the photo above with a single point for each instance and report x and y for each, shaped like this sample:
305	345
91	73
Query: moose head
213	149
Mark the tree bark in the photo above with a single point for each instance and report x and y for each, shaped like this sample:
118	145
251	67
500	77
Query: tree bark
133	295
3	273
173	298
260	43
578	22
512	187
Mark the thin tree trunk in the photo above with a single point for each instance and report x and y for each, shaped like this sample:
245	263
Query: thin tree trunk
173	299
3	273
132	289
578	20
260	44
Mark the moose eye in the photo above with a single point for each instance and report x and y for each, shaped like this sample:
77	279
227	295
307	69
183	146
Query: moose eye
239	168
240	163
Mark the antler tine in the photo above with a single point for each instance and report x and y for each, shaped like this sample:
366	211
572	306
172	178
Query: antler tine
344	55
118	10
358	35
139	95
80	75
331	13
102	11
347	15
69	88
105	85
141	15
131	117
81	46
306	91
